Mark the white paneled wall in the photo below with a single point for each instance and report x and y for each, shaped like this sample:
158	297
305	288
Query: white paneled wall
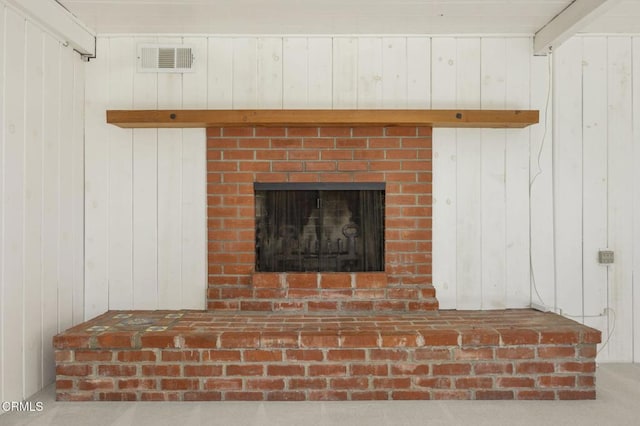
597	187
518	214
145	189
146	218
41	201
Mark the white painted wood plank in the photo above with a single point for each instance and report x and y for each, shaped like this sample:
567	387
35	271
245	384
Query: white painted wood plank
370	72
295	72
121	69
444	175
394	72
97	185
269	51
345	72
568	175
169	84
145	195
220	73
493	72
418	72
245	73
320	80
12	351
77	194
620	213
33	210
145	217
594	201
3	324
51	243
636	198
468	179
194	217
443	72
518	52
145	85
170	218
195	83
542	262
65	151
170	195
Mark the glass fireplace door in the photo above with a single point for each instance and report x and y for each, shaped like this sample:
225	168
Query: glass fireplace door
328	228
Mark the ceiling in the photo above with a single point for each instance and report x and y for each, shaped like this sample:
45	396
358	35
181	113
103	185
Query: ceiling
337	16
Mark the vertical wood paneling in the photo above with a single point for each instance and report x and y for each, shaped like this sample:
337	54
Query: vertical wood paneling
620	214
245	73
594	199
418	72
320	94
394	72
345	72
636	198
97	185
194	84
121	67
51	194
369	72
33	210
13	204
518	52
220	73
65	161
77	182
568	176
483	216
443	71
169	218
194	229
3	298
541	235
170	195
295	72
269	51
493	74
145	194
37	244
468	179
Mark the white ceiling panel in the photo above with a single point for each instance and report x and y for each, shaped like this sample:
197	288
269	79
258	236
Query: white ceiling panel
334	16
623	18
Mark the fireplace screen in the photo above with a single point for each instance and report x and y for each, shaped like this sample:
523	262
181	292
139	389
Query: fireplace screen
319	227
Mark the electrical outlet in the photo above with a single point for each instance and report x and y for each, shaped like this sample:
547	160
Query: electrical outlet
605	257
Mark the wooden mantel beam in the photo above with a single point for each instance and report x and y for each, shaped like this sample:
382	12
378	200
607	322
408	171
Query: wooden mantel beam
310	118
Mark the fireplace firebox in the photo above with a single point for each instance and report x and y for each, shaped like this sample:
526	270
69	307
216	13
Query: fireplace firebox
319	227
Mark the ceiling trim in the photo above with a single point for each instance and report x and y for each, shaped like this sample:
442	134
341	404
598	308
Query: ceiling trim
568	22
60	22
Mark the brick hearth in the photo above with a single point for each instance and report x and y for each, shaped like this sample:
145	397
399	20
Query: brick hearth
323	336
187	355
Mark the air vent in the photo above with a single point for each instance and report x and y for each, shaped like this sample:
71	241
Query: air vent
165	58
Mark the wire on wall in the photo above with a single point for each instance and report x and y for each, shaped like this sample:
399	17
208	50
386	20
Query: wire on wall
538	173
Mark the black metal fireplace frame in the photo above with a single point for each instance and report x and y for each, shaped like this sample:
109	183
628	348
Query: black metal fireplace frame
351	253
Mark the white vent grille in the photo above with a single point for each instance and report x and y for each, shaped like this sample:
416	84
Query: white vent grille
165	58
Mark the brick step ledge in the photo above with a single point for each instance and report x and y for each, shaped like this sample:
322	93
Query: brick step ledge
204	355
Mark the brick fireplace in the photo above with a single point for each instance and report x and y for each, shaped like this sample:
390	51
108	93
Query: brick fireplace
340	333
398	157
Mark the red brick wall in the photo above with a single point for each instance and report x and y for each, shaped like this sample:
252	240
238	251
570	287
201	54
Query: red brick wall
398	156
